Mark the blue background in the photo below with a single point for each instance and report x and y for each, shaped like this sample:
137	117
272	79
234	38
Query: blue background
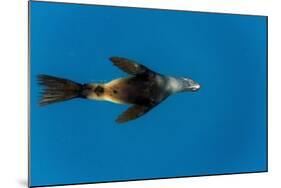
219	129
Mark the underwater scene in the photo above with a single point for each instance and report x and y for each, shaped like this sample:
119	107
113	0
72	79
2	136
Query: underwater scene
119	94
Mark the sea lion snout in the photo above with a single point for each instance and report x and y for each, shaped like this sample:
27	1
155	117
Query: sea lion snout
195	86
190	85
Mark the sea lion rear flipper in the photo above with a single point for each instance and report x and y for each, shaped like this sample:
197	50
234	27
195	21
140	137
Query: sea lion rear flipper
132	113
130	66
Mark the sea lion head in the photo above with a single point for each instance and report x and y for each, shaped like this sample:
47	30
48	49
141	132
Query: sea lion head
188	84
180	84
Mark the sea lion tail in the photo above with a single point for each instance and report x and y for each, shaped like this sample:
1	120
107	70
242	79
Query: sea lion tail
58	89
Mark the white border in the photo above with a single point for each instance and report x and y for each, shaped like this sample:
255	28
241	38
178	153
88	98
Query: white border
13	100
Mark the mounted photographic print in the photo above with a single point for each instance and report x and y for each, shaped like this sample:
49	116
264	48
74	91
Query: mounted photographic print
123	93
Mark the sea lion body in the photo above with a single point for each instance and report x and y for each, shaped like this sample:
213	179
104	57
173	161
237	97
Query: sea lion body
143	89
140	90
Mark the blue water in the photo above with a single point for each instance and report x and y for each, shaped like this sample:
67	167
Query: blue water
219	129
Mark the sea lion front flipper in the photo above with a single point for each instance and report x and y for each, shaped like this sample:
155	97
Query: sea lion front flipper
133	112
130	66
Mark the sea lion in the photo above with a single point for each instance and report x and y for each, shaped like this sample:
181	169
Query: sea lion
143	89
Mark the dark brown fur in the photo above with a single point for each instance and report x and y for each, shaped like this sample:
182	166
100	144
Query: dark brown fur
136	90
